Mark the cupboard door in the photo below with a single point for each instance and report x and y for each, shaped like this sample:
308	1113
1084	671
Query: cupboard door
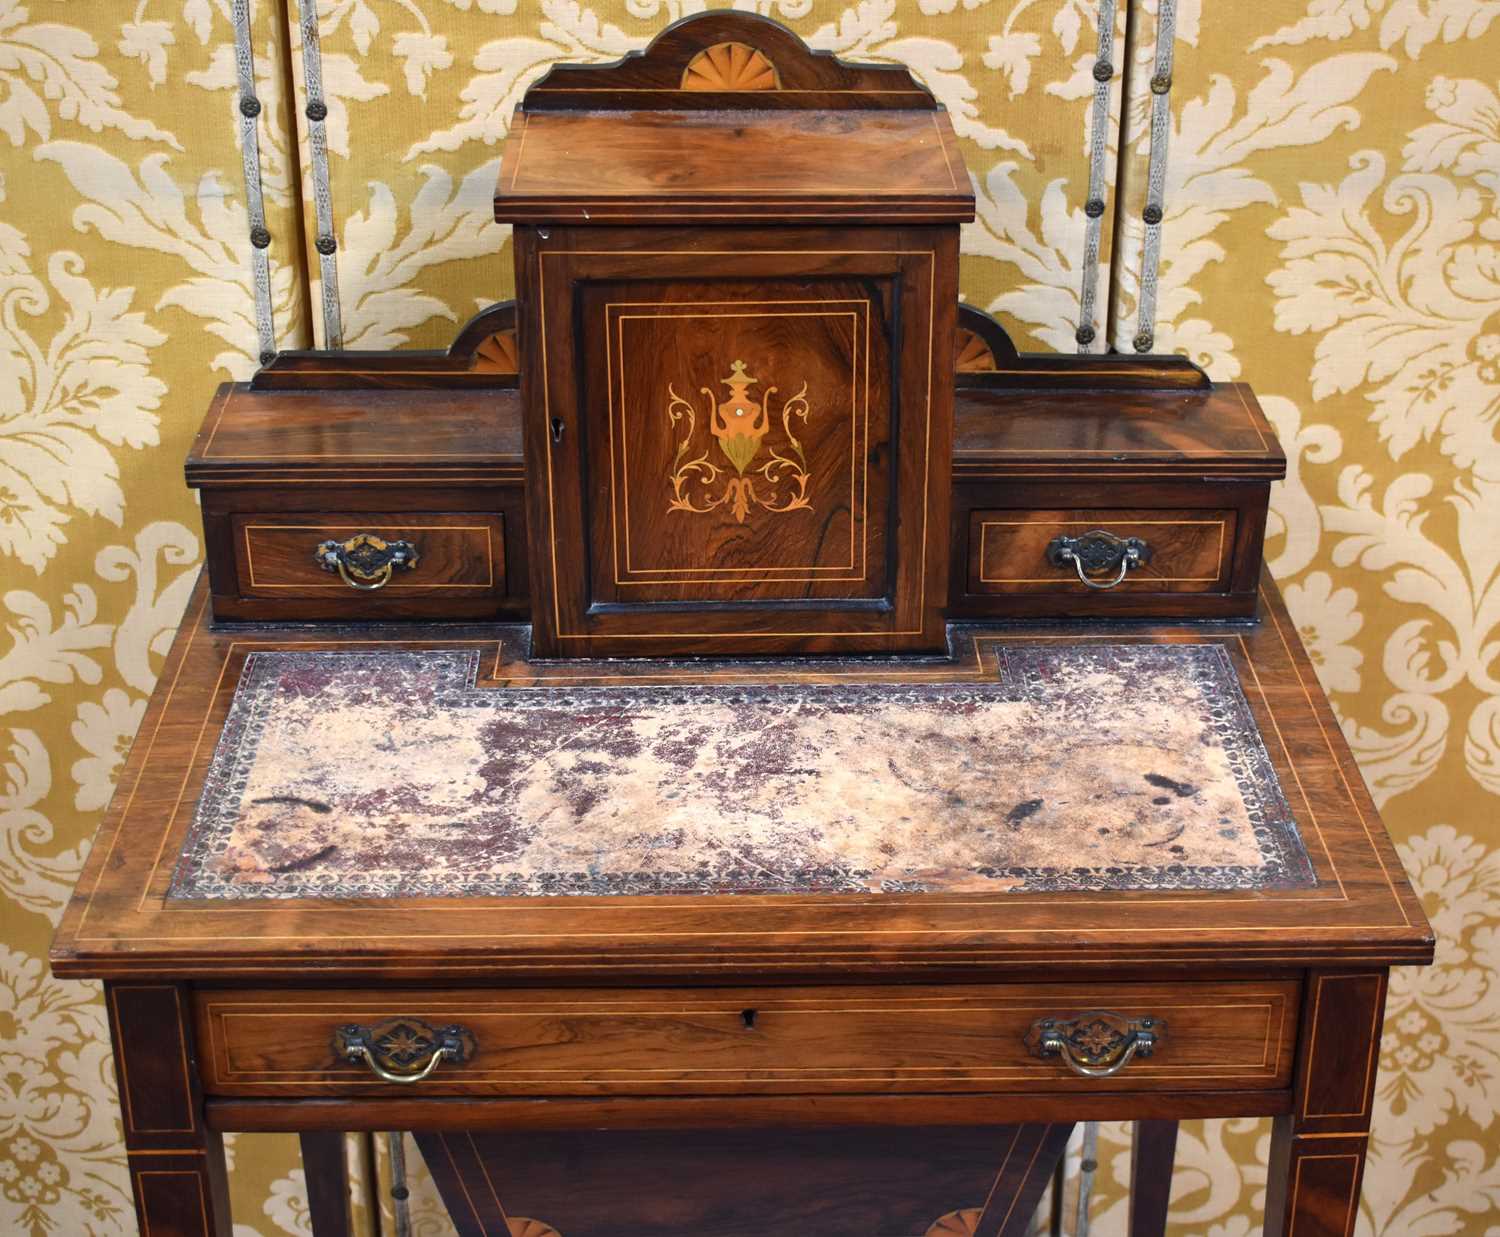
741	439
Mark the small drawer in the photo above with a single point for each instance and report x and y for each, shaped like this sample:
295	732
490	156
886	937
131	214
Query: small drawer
368	559
1084	551
958	1038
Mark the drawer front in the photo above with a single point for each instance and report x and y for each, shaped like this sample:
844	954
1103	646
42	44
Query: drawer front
1014	551
956	1038
431	554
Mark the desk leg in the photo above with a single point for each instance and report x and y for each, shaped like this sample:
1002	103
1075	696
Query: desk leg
1153	1150
1030	1157
176	1164
1318	1153
327	1176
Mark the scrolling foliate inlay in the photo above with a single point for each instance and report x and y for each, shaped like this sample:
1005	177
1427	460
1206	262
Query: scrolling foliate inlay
739	425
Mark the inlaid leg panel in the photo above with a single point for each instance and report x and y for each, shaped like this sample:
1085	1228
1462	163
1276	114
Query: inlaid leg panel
177	1170
1318	1152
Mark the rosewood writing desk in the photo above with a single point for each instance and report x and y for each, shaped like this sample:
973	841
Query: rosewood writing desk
648	1007
905	758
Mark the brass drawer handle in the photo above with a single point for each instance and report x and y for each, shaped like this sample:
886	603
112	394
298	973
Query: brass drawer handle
1096	1044
1098	551
366	561
404	1049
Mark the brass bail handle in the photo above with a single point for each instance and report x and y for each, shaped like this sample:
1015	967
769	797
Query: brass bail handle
1097	1044
1096	552
362	1052
403	1050
365	561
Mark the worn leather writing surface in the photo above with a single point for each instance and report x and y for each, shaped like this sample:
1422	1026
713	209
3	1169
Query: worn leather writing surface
1103	766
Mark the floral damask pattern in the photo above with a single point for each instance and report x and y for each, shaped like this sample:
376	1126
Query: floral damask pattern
1348	166
437	81
1330	233
126	293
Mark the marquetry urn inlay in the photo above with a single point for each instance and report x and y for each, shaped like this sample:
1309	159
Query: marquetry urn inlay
739	424
730	66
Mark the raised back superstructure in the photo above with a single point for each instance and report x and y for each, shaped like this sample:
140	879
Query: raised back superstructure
736	263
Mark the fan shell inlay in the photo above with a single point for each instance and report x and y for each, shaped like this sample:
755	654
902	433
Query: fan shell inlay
972	354
498	354
730	66
955	1224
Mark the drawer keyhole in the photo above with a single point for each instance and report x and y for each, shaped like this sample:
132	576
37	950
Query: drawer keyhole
558	425
747	1016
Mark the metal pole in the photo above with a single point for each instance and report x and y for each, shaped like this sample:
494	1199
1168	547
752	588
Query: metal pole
1086	1170
399	1193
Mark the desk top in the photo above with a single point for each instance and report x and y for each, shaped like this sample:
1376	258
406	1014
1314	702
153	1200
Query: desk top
722	166
1280	857
1085	766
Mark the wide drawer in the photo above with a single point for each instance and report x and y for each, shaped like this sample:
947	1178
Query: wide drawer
383	556
1212	1036
1017	551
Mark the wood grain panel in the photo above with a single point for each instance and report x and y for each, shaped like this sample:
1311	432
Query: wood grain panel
1050	430
835	1182
1191	550
796	391
174	1197
459	552
1346	1012
933	1038
421	434
644	167
1318	1150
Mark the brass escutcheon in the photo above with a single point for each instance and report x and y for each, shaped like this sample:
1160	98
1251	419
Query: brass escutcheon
404	1050
1098	551
1097	1043
366	561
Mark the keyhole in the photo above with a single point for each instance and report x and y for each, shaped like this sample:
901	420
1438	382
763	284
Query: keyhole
747	1016
557	429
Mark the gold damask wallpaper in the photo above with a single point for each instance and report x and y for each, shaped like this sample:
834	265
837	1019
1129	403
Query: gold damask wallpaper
1303	194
